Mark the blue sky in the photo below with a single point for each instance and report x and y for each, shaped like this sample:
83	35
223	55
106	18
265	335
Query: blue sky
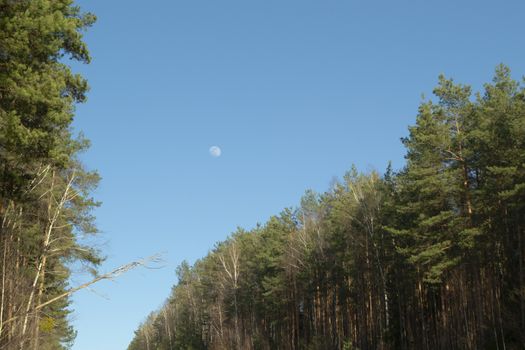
293	91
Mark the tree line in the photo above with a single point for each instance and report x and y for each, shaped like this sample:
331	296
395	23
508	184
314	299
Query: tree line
427	257
45	192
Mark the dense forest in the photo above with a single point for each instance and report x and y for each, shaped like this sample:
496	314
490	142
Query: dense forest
427	257
45	201
430	256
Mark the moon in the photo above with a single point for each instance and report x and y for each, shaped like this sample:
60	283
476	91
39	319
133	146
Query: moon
215	151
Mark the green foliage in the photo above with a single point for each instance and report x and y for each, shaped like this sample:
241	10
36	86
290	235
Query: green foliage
429	257
45	201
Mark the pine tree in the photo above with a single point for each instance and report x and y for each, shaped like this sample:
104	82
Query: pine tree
45	198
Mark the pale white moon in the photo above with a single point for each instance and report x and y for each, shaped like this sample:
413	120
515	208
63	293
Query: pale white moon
215	151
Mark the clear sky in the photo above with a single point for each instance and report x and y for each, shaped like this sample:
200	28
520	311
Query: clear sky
293	91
